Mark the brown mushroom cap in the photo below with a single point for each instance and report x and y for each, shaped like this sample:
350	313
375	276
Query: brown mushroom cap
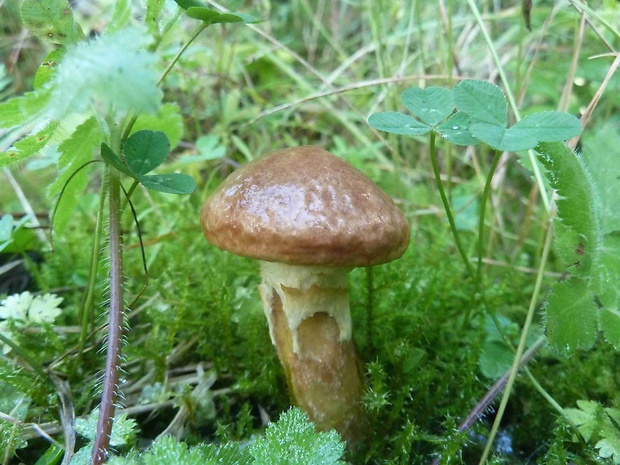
305	206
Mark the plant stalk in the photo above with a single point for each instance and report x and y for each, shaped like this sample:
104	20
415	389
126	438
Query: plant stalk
521	347
448	210
113	359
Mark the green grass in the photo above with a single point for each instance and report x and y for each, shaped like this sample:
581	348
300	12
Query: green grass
311	74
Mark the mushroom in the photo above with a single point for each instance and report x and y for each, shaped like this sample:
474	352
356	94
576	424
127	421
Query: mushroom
310	218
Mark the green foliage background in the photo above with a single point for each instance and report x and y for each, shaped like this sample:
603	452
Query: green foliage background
311	73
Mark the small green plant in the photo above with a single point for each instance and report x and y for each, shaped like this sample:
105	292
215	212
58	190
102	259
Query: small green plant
598	425
475	112
292	439
100	101
586	236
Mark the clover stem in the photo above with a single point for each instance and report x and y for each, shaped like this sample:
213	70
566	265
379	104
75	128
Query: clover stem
446	206
483	204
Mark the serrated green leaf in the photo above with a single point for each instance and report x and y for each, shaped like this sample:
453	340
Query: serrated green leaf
172	183
145	150
572	316
51	20
609	322
457	129
600	155
398	123
432	105
588	418
111	158
168	120
607	276
16	403
578	206
24	109
28	146
600	425
114	73
609	448
481	100
47	69
293	439
124	429
75	151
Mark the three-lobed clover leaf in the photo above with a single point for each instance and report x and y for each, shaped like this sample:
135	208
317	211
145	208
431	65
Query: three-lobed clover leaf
144	151
431	105
481	116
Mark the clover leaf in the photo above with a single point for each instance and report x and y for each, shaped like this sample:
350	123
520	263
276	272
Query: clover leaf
143	152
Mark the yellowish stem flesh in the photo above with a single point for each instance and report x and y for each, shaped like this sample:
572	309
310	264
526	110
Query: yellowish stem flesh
310	325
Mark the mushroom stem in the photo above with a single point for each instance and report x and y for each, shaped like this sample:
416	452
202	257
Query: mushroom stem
307	308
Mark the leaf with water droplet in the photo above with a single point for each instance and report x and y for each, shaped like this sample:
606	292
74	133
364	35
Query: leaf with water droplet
457	131
398	123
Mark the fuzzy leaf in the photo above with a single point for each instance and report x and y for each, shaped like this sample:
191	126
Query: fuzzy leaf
293	440
47	70
482	100
172	183
572	316
51	20
75	151
600	155
432	105
145	150
24	109
607	277
28	146
398	123
112	73
578	205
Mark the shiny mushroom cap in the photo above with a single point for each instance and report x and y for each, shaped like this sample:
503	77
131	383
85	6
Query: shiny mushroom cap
305	206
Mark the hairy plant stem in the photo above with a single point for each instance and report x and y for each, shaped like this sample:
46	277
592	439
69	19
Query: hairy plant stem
115	326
